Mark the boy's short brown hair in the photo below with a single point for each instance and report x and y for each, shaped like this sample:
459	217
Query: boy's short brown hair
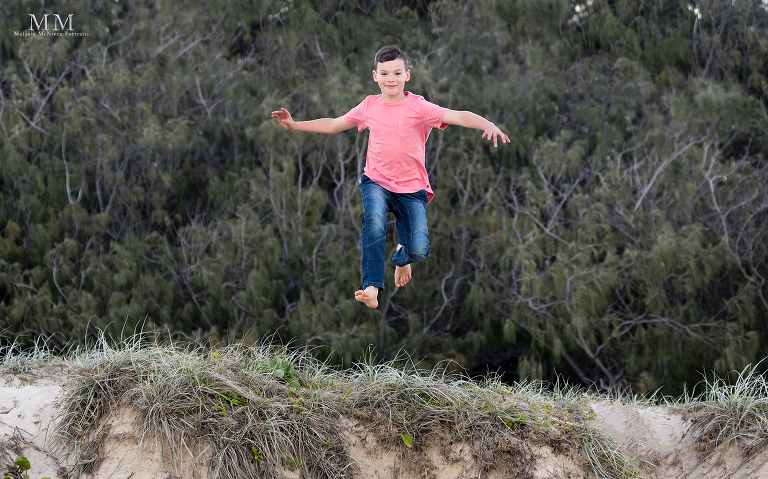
389	53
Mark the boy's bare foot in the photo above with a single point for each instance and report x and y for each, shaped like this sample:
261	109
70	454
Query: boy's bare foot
368	296
402	273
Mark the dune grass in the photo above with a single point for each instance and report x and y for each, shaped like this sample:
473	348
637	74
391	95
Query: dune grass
257	411
732	411
18	360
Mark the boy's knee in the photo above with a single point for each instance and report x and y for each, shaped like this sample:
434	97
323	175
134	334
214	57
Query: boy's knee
419	249
416	256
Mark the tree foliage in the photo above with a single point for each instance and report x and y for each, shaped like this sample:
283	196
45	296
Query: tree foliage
617	239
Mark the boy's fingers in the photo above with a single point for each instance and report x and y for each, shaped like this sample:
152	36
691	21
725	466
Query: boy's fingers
495	137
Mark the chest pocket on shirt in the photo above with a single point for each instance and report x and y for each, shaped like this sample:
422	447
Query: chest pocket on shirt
406	126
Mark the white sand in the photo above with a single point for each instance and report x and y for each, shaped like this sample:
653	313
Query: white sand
26	410
655	437
659	439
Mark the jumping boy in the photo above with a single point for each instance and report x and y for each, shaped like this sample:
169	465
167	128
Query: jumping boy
395	178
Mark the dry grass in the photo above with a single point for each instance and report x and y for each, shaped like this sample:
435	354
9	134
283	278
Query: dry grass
732	411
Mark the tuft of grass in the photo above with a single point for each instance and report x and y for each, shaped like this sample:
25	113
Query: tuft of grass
732	412
605	456
17	360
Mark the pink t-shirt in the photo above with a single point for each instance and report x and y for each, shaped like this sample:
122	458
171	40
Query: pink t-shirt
398	134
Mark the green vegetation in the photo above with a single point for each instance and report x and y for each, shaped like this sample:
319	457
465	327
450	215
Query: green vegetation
19	468
617	240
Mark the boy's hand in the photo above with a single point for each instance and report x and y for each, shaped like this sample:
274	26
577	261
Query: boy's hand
493	132
284	118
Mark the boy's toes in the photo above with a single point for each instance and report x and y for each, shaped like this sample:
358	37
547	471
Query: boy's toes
366	299
402	275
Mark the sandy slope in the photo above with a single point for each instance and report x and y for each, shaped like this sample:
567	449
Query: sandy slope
659	438
656	437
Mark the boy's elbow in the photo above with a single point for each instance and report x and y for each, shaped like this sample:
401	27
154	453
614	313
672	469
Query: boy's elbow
340	124
457	117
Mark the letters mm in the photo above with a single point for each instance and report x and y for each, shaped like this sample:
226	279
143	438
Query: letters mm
44	22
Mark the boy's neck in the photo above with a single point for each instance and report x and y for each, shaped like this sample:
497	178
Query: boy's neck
393	99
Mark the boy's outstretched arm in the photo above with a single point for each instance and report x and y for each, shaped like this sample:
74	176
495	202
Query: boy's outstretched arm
322	125
468	119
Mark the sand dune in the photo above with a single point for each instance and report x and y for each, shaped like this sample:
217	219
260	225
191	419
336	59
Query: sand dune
658	438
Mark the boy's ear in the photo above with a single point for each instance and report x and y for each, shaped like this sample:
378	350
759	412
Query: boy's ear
407	75
374	76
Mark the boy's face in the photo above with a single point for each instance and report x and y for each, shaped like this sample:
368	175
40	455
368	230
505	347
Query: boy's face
391	77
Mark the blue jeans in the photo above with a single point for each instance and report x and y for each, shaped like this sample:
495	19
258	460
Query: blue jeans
410	223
